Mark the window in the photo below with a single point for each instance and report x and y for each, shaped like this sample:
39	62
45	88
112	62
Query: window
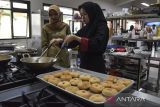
4	4
20	5
76	12
67	16
46	8
67	11
5	24
20	21
15	19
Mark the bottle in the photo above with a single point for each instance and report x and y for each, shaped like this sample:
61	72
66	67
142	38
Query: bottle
78	62
73	59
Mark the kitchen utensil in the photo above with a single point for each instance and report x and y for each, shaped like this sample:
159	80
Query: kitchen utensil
4	59
42	63
44	52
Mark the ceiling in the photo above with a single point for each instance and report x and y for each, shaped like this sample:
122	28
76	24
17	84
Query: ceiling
123	3
136	3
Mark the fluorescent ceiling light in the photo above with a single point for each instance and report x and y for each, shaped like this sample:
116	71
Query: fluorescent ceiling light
145	4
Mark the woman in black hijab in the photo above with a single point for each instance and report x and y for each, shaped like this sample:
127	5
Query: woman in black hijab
92	38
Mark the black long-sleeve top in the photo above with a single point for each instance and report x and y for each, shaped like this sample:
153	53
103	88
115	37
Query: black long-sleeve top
92	47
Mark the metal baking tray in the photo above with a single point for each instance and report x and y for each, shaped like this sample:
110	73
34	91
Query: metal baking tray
83	71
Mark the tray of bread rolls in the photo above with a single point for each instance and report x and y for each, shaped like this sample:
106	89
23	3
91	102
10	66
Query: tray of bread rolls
93	87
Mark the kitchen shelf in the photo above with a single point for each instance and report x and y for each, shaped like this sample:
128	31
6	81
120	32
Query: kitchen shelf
132	75
138	76
155	5
137	16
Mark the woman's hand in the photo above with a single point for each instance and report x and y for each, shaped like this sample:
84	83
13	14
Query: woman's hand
55	42
71	38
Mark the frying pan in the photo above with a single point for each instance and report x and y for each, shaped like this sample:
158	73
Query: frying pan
41	62
4	59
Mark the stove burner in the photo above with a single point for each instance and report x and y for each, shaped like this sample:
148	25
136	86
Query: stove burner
3	68
14	74
43	98
1	78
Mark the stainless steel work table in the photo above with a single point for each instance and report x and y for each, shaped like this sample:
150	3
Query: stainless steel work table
138	57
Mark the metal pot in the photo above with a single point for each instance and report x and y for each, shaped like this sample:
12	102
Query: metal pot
38	63
4	59
7	52
20	51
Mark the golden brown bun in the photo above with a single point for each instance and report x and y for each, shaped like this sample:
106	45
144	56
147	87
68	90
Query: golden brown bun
109	92
75	81
48	76
118	86
96	88
83	85
66	72
72	89
65	77
83	93
94	80
126	82
74	74
106	84
85	77
54	81
111	78
57	74
97	98
64	84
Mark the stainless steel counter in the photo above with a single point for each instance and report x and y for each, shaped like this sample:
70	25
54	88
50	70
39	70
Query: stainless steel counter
123	39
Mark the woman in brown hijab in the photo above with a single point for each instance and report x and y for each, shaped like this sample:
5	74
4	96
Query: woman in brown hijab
52	30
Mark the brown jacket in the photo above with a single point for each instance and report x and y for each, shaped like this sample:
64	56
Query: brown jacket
48	33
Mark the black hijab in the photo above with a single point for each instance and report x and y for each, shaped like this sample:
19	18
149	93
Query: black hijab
95	15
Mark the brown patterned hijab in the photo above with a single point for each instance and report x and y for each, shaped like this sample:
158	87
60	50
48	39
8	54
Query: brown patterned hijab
59	24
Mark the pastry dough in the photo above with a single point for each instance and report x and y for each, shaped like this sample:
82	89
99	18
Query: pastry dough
83	93
109	92
97	98
96	88
72	89
74	74
75	81
118	86
85	77
54	81
94	80
106	84
83	85
126	82
64	84
65	77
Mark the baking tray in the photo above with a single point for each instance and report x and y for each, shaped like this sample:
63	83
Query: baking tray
83	71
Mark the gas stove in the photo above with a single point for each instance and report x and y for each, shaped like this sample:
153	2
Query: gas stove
44	97
13	75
